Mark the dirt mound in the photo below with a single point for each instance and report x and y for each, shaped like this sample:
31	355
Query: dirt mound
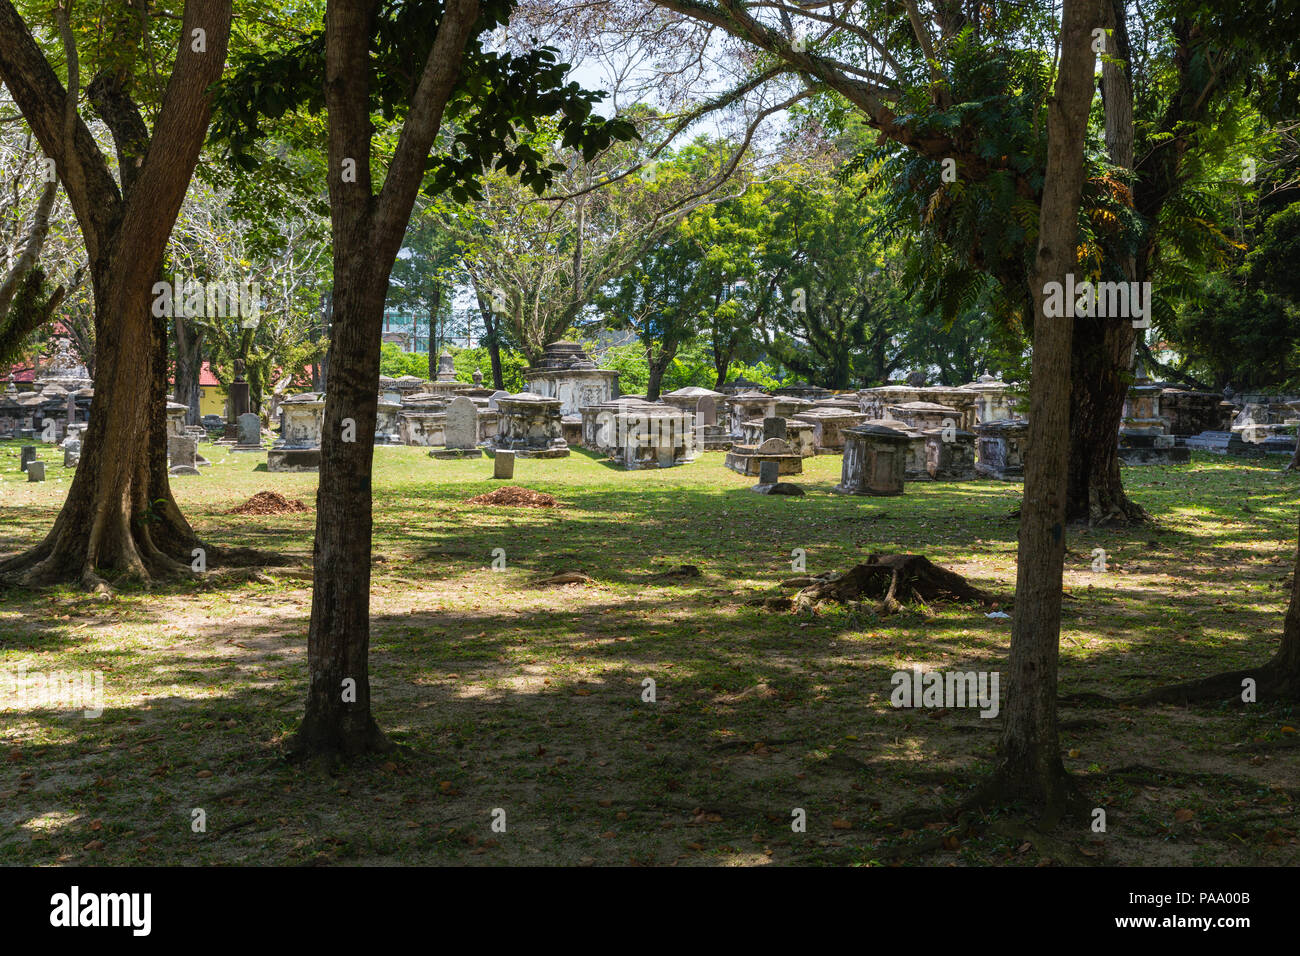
269	503
513	496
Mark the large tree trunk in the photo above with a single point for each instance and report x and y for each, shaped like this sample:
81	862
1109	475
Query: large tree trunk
119	517
1103	347
367	232
1029	766
1100	376
658	364
338	717
189	367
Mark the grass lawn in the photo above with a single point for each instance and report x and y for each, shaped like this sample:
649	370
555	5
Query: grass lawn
529	699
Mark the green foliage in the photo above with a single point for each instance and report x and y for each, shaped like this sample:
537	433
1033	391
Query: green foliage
513	363
1274	264
630	363
1237	335
760	372
395	363
497	95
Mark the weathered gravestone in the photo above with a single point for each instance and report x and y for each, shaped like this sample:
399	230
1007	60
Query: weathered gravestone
706	411
460	430
36	471
495	397
770	483
183	452
250	433
28	455
774	428
503	465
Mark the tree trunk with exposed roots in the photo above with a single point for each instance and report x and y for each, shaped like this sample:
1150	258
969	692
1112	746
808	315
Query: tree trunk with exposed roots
120	518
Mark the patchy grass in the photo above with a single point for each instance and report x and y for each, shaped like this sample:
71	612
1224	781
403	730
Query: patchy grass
529	699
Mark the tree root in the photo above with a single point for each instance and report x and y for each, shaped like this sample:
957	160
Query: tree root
1272	683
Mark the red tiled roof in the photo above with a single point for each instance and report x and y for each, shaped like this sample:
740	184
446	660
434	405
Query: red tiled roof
206	377
22	373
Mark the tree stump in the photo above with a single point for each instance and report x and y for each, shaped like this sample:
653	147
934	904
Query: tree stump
894	580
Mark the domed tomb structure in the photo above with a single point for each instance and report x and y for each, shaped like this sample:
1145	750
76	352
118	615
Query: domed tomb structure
568	374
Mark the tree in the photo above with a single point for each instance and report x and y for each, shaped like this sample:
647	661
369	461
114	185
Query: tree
119	514
1029	763
539	264
361	61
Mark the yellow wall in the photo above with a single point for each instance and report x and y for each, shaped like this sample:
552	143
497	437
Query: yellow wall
212	401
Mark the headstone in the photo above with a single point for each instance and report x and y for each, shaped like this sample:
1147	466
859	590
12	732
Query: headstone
28	455
706	411
503	465
182	451
769	472
72	456
250	429
774	428
492	401
461	427
36	471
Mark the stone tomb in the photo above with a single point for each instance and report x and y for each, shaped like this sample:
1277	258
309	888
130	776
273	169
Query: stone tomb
798	433
950	454
387	430
599	431
875	461
745	407
176	415
922	415
1153	450
915	457
301	423
747	459
1002	447
530	427
829	424
460	430
994	401
711	435
653	436
1224	443
1188	413
300	420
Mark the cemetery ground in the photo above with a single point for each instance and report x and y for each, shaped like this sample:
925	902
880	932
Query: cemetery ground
506	694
